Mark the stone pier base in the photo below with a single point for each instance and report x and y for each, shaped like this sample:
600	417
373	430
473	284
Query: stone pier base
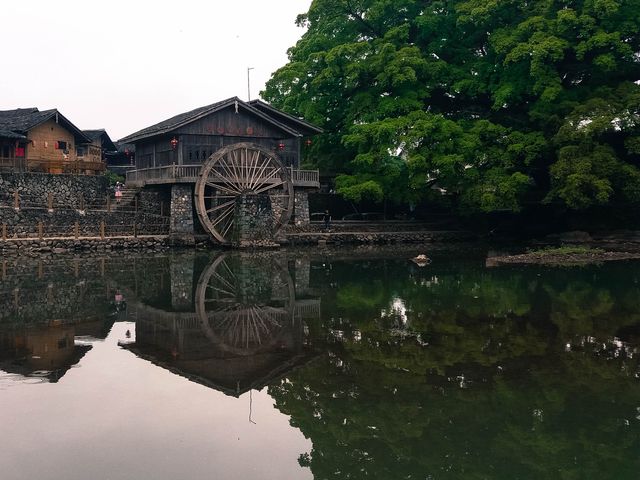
301	209
181	225
253	227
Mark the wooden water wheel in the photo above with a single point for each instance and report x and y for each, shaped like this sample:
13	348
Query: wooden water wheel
236	170
245	304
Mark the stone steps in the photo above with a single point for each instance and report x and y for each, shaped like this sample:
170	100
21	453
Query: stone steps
128	194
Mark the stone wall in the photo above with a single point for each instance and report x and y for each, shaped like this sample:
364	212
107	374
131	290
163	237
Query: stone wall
155	199
32	222
301	209
378	238
67	190
181	227
253	226
61	245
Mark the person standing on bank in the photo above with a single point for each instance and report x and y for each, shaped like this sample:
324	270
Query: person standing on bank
327	220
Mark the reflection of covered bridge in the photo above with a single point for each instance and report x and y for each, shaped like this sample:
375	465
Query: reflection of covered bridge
243	328
235	163
179	342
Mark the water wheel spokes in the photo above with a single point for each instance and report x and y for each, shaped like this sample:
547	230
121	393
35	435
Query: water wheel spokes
242	303
239	169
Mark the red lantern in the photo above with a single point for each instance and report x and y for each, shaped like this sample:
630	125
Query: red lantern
174	143
308	142
281	146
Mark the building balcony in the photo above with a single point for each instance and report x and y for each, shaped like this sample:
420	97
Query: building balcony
190	173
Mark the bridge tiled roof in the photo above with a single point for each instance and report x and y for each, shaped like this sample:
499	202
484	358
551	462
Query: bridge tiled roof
173	123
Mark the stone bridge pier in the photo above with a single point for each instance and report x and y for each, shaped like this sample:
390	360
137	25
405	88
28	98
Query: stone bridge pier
181	232
254	225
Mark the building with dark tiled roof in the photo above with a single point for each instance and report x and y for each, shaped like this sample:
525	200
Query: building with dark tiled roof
46	141
191	137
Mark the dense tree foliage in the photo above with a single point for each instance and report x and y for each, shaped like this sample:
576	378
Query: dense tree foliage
493	102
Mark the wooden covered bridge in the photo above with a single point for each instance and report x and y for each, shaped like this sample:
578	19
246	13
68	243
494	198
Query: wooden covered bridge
234	163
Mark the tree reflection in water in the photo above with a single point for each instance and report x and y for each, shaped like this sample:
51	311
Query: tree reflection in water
463	372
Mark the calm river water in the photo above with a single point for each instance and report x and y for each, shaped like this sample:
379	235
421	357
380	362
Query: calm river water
328	364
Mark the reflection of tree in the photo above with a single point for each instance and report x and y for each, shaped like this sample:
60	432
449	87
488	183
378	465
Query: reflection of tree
579	308
494	374
367	420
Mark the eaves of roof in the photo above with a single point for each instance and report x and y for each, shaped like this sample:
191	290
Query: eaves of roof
10	134
178	121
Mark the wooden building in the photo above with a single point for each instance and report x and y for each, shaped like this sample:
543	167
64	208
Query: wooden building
46	141
225	160
192	137
122	159
101	144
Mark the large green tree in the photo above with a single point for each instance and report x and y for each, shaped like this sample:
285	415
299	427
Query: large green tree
491	101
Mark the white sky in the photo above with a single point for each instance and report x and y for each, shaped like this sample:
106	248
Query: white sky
126	64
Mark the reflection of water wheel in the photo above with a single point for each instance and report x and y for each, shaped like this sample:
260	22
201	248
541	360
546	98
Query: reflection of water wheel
244	304
242	168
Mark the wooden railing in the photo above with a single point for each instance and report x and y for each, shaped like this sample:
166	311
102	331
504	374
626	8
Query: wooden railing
166	174
13	164
42	164
190	174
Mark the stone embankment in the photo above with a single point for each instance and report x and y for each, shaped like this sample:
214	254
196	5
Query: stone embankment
86	244
68	190
380	237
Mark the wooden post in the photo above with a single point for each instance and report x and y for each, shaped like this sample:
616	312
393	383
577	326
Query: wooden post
102	229
76	229
102	267
16	200
40	230
40	270
50	201
4	231
135	230
81	202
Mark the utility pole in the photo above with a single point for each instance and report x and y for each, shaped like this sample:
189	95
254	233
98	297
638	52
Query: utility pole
249	84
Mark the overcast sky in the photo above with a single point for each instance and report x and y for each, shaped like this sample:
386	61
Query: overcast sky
126	64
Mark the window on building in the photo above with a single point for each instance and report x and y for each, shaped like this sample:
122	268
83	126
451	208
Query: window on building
60	145
80	152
